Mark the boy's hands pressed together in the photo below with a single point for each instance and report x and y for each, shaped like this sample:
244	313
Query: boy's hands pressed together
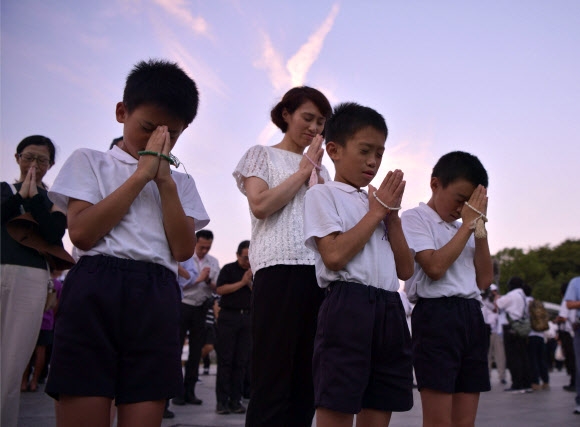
390	192
149	165
164	171
478	200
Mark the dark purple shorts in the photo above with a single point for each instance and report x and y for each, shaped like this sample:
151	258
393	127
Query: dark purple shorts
450	345
362	351
117	332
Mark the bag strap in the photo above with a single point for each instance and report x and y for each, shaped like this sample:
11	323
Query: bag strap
525	304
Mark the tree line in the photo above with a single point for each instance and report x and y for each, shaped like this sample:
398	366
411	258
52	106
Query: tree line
544	268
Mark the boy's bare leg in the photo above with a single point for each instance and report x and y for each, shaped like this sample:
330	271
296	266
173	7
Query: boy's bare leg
437	408
373	418
464	409
86	411
328	418
142	414
446	409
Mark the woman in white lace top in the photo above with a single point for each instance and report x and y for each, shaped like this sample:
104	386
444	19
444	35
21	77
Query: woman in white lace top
286	296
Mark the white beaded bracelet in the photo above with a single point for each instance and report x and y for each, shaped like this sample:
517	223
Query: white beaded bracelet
384	204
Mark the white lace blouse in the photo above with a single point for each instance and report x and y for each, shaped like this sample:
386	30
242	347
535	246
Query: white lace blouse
278	239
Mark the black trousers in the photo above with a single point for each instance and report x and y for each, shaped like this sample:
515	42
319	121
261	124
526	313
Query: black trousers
568	349
233	352
192	322
538	360
517	360
285	303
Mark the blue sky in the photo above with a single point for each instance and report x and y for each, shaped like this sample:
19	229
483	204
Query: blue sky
497	79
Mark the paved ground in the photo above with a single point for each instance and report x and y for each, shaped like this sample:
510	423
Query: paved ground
496	409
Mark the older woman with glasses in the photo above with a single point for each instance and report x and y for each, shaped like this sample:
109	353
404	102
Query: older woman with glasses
24	274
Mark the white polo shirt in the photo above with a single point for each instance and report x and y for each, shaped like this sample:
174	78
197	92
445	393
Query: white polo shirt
569	314
198	294
514	303
333	207
424	230
92	175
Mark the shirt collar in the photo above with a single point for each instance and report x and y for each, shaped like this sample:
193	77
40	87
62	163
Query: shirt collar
344	187
434	216
123	156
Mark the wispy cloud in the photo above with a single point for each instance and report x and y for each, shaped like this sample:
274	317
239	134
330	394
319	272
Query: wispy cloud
86	79
293	73
179	8
272	61
301	62
200	71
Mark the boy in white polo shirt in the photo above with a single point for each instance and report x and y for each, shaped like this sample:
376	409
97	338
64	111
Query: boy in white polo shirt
451	270
362	354
131	220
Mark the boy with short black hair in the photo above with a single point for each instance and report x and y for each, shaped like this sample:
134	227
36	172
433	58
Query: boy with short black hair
362	349
451	269
131	221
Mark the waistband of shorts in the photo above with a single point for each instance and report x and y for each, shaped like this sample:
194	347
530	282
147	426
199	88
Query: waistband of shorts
450	301
373	293
131	265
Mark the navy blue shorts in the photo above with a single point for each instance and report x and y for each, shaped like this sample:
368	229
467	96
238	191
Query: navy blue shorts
450	345
362	351
117	332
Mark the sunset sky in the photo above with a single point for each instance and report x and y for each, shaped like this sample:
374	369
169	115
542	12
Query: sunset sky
499	79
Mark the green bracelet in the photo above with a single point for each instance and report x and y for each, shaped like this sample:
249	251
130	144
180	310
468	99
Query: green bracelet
155	153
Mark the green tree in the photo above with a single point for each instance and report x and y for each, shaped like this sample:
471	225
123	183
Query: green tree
543	268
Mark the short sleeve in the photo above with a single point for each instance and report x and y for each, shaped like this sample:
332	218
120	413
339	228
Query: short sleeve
573	290
253	163
419	238
190	199
76	179
320	215
215	270
224	277
324	174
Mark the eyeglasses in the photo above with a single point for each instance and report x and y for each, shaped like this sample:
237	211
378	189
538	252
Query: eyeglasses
29	158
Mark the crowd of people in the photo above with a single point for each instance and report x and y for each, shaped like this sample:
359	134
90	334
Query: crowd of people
531	356
308	319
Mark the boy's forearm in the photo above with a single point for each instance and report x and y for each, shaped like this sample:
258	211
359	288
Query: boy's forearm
179	229
88	223
338	250
483	264
436	264
403	259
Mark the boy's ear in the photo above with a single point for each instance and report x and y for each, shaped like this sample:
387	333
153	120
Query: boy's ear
435	183
332	149
121	112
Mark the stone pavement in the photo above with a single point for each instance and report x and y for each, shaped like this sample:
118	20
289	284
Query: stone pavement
496	409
